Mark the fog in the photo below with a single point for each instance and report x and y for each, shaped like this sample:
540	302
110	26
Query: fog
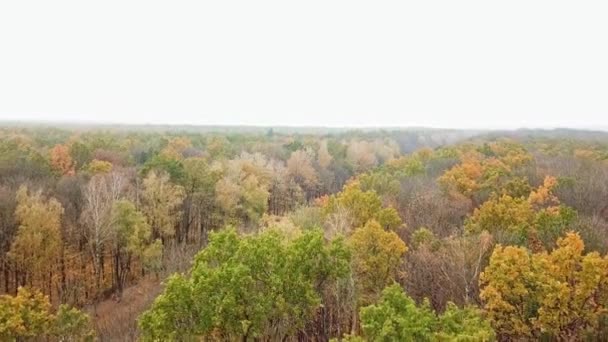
465	64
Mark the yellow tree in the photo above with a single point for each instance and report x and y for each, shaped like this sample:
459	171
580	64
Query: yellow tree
574	292
30	316
537	219
510	152
543	195
99	166
161	203
377	257
36	248
509	299
486	168
502	214
361	206
463	178
562	294
176	147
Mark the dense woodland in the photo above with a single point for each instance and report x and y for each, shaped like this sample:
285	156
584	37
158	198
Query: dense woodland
256	234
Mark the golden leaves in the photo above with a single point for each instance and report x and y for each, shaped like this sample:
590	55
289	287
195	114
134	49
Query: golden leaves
562	293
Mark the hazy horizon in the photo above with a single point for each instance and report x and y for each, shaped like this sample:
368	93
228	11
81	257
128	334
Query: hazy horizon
93	123
471	64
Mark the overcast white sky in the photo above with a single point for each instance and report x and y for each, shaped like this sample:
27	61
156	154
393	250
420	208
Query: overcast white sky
332	63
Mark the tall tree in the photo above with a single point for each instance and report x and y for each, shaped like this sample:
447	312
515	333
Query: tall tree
161	203
100	195
199	202
377	257
36	248
131	238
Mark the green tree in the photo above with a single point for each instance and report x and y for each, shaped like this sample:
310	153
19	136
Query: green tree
132	238
163	164
71	324
199	201
247	287
396	317
465	324
80	154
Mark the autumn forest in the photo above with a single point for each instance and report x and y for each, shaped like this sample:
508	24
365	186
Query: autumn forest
151	233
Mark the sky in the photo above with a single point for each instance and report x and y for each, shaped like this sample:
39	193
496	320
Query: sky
458	64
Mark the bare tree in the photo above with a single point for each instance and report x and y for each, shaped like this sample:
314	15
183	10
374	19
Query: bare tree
99	197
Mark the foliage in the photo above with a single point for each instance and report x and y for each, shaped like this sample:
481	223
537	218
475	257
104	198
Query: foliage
423	236
36	247
61	160
161	163
243	193
29	315
133	238
362	206
161	201
562	294
539	216
322	218
396	317
487	168
251	286
377	255
99	166
503	213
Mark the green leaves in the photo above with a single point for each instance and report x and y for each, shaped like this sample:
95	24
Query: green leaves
396	317
133	235
260	285
71	324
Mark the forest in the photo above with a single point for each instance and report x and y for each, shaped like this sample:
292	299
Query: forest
125	233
